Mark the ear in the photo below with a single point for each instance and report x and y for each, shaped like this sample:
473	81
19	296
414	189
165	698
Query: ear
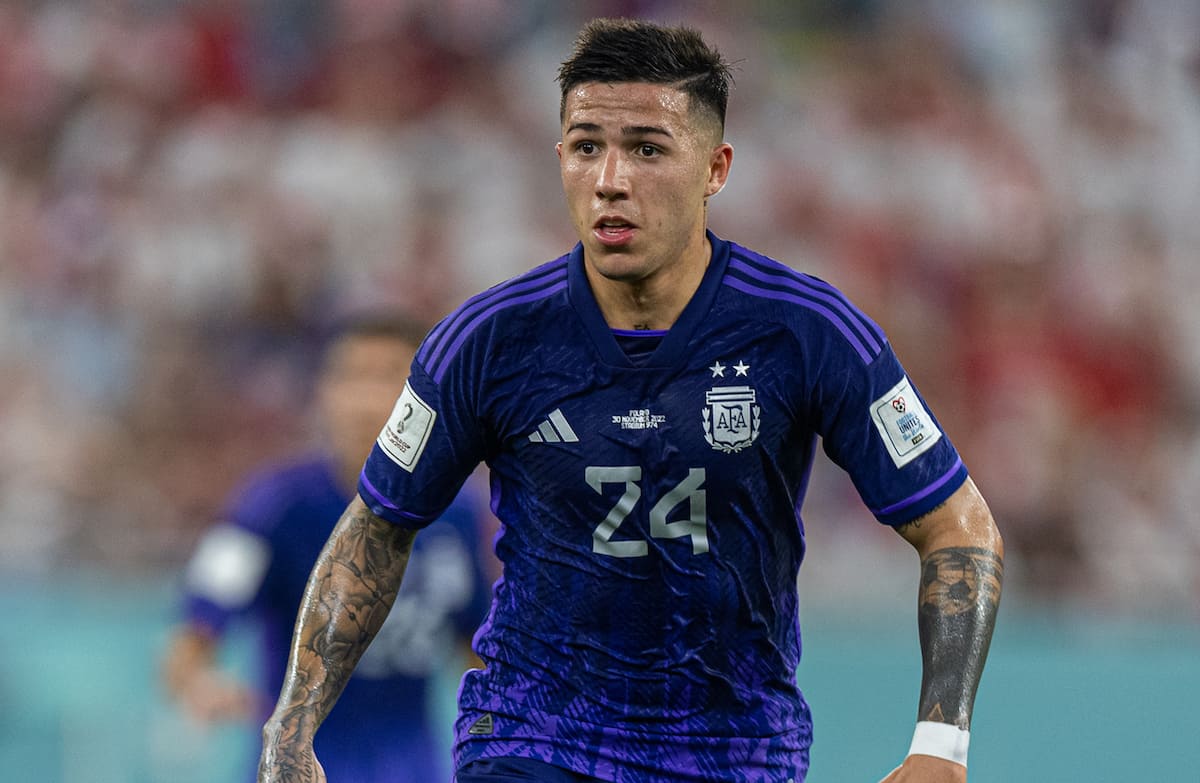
558	150
719	163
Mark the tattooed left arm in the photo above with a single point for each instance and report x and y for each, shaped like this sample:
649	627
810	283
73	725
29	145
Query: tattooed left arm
962	567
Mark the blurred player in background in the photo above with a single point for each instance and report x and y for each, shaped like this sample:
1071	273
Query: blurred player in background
649	406
254	567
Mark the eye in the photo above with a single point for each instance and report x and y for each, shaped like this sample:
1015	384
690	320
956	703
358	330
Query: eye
585	147
647	150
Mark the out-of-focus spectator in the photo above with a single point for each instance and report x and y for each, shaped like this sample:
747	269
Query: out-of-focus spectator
187	188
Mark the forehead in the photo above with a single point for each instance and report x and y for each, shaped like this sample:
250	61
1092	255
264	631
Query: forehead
640	103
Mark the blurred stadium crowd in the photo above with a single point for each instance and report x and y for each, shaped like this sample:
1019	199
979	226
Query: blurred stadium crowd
189	190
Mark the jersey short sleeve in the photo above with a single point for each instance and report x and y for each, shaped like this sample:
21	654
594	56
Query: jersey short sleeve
428	447
226	572
879	429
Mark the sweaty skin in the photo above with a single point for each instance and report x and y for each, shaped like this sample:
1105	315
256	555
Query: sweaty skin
962	571
638	166
353	588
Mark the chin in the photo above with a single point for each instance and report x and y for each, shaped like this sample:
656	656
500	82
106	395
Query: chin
624	271
613	261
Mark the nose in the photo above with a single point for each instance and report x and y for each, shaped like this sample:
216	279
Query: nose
613	180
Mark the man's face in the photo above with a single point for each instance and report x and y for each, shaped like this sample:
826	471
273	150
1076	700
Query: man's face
359	384
637	166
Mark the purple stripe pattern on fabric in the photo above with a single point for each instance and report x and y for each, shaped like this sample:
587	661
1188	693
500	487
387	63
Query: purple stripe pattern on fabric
448	336
919	496
449	326
379	498
851	337
790	281
440	365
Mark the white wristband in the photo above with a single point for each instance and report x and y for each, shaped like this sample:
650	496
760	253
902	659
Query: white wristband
942	740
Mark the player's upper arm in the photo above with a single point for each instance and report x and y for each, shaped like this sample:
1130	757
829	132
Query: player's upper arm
964	520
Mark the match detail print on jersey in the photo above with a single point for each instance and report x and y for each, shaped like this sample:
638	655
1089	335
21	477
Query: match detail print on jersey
906	427
407	429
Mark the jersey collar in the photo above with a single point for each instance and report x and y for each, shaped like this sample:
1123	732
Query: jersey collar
673	348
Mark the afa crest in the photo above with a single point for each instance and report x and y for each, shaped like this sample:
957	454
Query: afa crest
731	419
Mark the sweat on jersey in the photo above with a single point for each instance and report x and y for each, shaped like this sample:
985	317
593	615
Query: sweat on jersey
646	627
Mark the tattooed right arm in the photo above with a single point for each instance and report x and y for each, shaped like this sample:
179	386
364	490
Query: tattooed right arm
962	567
350	592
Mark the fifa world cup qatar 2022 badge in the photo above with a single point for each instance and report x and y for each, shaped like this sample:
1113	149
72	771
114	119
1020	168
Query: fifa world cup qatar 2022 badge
731	419
407	430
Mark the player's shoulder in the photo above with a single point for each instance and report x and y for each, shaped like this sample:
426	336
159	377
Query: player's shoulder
763	278
269	493
495	312
810	307
538	285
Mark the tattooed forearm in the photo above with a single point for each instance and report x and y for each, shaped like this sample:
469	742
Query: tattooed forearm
349	594
959	597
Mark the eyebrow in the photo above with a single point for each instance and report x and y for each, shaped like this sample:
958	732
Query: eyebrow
627	130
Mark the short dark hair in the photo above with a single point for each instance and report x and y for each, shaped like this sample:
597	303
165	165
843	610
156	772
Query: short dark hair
376	322
628	50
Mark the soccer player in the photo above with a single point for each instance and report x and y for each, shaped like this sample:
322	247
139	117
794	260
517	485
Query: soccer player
648	405
254	568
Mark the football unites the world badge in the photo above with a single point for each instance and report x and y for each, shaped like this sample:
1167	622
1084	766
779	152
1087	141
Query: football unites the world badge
731	419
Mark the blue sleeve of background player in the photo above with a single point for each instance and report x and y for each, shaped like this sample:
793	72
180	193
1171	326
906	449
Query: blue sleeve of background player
225	574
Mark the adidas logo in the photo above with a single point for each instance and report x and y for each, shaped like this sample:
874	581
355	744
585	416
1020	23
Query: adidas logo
482	726
554	430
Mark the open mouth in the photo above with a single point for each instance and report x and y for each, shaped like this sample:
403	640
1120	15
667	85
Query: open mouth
614	231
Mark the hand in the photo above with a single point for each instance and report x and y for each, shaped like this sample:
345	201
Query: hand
200	688
212	697
927	769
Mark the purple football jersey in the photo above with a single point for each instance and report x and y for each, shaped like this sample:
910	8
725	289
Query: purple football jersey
646	628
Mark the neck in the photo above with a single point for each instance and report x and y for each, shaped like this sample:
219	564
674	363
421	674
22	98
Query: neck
655	301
